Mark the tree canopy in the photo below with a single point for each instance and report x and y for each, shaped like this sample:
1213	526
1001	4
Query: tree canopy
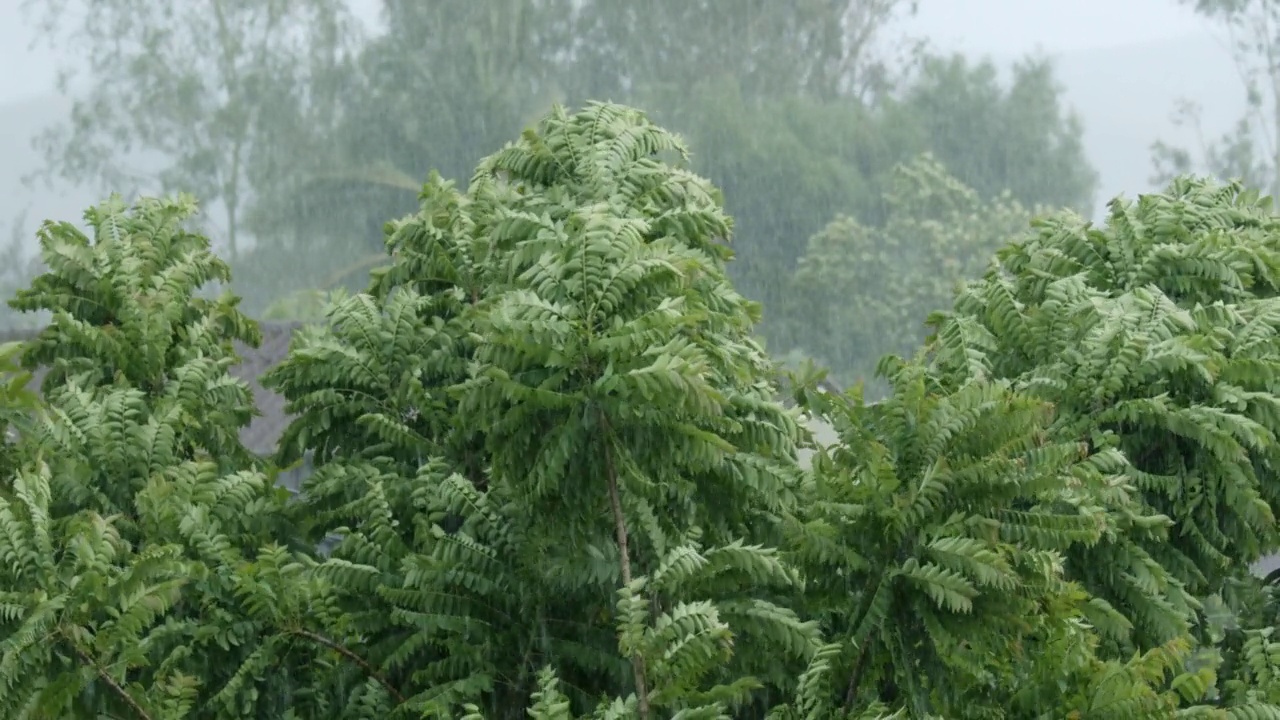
561	480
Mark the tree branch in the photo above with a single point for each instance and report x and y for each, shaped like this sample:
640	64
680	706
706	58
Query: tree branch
350	655
111	682
620	528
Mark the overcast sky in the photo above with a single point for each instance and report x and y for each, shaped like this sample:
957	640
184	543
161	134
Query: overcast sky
1005	28
29	69
1001	28
1124	64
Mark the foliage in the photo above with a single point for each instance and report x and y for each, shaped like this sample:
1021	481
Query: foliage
931	571
935	539
562	485
17	402
1154	335
861	291
143	574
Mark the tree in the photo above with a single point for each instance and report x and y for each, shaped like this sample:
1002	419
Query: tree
141	576
566	317
932	535
1154	335
565	486
861	292
193	90
814	48
1250	151
1017	136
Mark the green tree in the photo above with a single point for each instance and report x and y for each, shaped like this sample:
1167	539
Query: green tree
190	94
1018	136
932	536
522	418
813	48
148	569
1154	334
861	292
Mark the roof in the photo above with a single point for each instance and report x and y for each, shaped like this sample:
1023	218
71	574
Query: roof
263	432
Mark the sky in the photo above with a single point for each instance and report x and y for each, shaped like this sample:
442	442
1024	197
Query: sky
29	67
1001	28
1005	28
1107	50
24	71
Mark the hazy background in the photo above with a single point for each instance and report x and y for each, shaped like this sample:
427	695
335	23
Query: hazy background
349	129
1122	64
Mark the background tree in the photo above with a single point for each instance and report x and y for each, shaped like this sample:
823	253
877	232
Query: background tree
757	126
338	130
1250	151
551	51
448	82
182	98
860	292
813	48
996	135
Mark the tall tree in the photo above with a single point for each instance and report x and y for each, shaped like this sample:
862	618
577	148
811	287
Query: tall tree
818	48
995	135
862	291
186	89
1155	334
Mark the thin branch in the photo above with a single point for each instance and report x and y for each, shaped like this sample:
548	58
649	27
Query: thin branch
353	657
111	683
855	678
620	528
